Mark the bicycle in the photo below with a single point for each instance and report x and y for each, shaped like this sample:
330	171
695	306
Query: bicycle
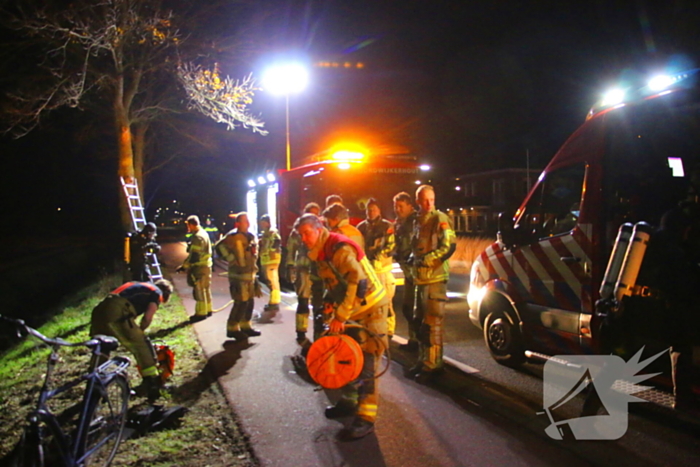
48	439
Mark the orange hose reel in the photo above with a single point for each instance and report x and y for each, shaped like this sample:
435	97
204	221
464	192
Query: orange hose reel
334	361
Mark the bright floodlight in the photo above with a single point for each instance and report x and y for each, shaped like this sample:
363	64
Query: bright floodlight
660	82
251	183
613	97
424	167
285	79
261	180
270	177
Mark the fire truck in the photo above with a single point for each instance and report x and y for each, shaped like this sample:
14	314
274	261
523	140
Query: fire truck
353	172
571	255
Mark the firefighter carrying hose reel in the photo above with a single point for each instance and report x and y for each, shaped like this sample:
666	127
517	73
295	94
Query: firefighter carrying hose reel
353	292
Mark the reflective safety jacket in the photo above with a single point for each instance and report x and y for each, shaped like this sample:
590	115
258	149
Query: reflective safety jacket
199	250
270	247
240	250
344	227
140	294
433	242
379	242
297	253
403	232
350	280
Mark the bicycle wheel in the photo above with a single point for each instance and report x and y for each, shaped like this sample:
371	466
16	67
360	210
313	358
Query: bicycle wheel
106	418
30	452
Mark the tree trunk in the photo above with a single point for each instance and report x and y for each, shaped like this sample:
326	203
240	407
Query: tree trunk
126	159
139	132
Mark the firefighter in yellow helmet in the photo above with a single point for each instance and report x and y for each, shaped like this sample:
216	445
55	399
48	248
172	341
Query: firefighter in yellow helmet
338	221
116	316
270	244
353	292
303	273
378	234
239	248
198	267
433	242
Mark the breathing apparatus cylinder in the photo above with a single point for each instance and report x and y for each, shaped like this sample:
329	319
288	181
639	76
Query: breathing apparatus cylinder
633	260
612	272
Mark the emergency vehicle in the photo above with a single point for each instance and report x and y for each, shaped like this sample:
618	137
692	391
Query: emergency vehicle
355	173
637	156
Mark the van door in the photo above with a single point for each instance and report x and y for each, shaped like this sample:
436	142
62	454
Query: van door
555	268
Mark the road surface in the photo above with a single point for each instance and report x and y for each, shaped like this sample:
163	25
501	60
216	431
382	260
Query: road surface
463	419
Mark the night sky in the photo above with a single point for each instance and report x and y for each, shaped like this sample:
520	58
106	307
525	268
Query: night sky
465	85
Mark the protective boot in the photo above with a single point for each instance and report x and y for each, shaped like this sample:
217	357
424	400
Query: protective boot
149	388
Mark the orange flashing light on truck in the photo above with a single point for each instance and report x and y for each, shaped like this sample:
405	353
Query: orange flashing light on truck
354	173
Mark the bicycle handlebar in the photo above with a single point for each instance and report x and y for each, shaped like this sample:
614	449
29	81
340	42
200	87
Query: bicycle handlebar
47	340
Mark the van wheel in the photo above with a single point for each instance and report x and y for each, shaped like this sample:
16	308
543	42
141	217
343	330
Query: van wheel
503	339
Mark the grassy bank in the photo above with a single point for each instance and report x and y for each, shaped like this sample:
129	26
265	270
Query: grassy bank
209	434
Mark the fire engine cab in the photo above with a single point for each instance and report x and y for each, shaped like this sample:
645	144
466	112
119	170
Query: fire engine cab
539	290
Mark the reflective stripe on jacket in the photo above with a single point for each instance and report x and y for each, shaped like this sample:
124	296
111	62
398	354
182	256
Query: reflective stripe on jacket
270	247
434	241
379	243
199	249
349	278
240	250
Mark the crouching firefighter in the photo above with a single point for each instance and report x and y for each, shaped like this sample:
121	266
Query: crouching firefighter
116	316
353	292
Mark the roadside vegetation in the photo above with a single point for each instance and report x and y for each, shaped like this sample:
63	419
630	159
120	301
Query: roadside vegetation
208	435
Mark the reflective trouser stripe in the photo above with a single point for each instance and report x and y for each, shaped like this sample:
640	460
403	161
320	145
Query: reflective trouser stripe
202	290
302	321
389	283
151	371
431	308
273	275
367	386
367	411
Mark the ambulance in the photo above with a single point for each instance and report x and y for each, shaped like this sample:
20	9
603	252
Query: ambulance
578	239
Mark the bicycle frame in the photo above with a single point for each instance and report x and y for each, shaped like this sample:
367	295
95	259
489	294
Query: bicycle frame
71	445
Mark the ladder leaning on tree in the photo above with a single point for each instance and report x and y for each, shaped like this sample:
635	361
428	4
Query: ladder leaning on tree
138	220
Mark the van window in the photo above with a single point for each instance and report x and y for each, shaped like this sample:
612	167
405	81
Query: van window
652	163
554	206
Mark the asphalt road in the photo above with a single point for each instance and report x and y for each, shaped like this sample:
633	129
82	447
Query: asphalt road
487	416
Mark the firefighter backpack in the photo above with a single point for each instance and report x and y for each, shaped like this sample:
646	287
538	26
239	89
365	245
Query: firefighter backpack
334	361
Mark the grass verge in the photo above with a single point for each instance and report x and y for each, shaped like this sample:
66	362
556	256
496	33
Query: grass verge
209	434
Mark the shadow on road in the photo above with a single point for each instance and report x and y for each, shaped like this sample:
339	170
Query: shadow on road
218	365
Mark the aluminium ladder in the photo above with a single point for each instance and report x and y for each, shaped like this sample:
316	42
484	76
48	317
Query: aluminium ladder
138	220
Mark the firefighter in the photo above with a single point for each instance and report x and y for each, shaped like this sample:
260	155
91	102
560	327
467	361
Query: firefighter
116	316
303	273
212	230
432	243
403	227
378	234
270	257
333	199
239	248
142	244
353	292
337	220
198	267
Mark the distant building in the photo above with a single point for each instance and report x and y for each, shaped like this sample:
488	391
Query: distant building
476	199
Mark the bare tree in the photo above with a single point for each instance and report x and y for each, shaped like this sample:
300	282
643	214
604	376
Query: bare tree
125	54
